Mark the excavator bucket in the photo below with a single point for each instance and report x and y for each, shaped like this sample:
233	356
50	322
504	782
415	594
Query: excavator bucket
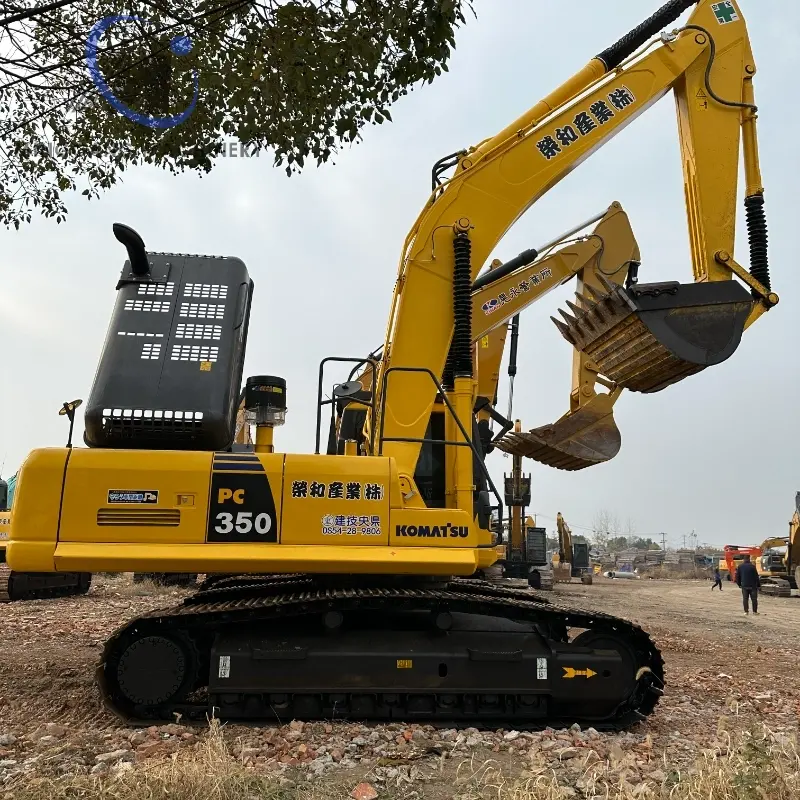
651	335
579	439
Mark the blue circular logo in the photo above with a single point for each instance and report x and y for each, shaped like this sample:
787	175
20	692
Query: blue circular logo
179	45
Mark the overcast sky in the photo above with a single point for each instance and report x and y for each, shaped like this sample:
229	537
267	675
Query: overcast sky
717	454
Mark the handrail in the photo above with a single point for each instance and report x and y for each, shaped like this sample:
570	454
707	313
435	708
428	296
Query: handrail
466	443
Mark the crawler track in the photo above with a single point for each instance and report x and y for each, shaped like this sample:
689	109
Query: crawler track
41	585
184	637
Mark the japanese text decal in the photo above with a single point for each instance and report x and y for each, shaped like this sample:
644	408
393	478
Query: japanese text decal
584	122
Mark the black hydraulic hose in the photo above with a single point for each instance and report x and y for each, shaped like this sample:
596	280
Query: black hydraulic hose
613	56
522	260
462	306
512	361
757	235
442	165
512	358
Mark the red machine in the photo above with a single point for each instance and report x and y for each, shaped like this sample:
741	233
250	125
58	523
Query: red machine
734	555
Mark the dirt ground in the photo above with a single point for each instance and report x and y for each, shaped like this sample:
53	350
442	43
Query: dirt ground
724	671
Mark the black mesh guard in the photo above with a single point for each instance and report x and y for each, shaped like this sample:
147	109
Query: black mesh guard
171	366
613	56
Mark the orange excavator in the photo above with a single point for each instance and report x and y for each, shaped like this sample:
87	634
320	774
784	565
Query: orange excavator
734	556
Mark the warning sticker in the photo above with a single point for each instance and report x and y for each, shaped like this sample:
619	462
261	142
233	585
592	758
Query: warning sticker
541	669
224	666
130	496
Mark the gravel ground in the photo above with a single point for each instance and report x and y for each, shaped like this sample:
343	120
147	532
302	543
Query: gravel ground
725	672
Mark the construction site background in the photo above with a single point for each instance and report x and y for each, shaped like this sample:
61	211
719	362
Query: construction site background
669	563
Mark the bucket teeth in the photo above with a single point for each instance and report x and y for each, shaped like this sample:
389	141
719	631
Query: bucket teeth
567	318
587	304
576	310
593	292
564	330
580	439
610	286
649	336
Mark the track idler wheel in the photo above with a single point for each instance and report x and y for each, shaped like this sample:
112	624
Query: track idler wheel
578	440
651	335
149	671
645	685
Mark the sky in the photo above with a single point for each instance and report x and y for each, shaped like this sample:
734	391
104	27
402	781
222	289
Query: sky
716	454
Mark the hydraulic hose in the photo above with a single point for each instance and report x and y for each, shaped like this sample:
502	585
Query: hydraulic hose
522	260
613	56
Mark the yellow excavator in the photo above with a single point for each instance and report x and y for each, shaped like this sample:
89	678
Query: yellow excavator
572	559
353	589
15	585
779	570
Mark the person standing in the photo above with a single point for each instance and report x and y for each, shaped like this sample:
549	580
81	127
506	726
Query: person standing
747	581
717	579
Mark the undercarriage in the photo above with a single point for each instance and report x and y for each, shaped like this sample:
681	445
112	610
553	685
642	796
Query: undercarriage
464	652
39	585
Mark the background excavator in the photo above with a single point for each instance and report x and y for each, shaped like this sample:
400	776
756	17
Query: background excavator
572	559
734	555
793	550
15	585
777	559
361	598
778	562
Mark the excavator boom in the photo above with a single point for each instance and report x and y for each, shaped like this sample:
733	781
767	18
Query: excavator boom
641	336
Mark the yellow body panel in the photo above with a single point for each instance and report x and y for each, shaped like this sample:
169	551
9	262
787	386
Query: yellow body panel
253	558
5	528
179	480
200	512
337	500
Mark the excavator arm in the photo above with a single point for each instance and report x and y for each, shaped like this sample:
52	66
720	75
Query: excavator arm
641	336
564	539
587	433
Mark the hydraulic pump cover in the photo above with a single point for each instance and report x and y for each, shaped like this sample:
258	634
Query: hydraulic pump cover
171	367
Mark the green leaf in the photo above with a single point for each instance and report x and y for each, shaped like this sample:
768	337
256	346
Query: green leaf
297	78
